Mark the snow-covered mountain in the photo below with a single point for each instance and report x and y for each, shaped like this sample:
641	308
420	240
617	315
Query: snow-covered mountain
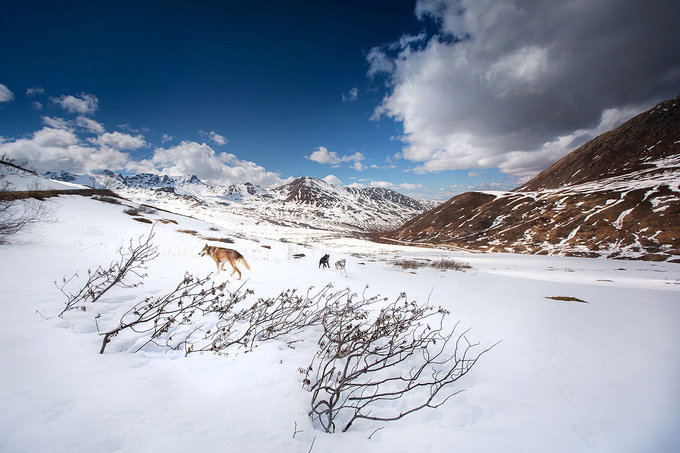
617	196
307	202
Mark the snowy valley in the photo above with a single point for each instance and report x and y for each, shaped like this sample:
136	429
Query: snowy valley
586	354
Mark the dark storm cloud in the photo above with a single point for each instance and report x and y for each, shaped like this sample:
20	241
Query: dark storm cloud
517	84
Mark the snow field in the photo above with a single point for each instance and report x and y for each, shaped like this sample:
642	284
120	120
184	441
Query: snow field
567	376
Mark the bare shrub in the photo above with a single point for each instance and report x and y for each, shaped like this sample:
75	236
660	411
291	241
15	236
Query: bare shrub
443	264
131	211
209	319
269	319
449	264
410	264
161	318
131	262
366	363
17	214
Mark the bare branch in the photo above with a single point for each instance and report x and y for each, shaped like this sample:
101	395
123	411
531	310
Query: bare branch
368	360
131	262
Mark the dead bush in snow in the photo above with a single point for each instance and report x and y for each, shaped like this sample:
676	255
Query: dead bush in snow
199	318
443	264
367	363
130	263
162	320
17	213
449	264
269	319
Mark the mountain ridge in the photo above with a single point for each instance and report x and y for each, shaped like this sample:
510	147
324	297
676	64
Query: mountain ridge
616	196
305	202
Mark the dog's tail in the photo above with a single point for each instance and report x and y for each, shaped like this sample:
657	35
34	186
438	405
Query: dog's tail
245	263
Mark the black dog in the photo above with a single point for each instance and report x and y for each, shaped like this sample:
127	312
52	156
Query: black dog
323	262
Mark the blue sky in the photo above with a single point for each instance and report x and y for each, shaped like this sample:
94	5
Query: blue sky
430	98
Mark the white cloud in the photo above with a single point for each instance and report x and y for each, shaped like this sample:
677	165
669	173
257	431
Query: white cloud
381	184
189	158
214	137
6	94
89	125
217	138
351	95
409	186
37	105
323	156
119	140
166	138
33	91
60	149
332	179
56	122
356	185
378	62
494	185
506	84
82	104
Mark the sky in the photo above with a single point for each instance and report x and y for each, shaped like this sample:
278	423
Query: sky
430	98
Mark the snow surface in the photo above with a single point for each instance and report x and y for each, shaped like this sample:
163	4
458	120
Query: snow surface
600	376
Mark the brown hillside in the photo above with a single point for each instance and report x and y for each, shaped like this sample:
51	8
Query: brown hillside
648	136
616	196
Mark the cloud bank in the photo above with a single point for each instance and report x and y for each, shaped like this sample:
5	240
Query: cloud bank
191	158
518	84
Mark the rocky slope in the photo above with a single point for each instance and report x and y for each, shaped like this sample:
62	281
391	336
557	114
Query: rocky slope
616	196
304	202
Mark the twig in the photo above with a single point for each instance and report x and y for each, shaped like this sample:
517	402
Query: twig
295	430
369	437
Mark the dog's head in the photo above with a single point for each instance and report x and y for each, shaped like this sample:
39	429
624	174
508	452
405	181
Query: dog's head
204	251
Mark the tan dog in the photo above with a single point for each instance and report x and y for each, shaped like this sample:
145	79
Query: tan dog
222	255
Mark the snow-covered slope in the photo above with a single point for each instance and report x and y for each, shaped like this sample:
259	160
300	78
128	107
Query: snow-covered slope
598	376
306	202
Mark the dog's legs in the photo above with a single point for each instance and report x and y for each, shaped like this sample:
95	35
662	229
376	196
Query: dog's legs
233	265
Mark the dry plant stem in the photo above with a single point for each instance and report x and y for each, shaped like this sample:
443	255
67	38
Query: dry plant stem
132	261
17	214
158	317
361	362
268	319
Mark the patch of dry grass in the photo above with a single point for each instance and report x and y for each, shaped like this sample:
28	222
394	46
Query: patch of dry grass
566	299
225	240
442	265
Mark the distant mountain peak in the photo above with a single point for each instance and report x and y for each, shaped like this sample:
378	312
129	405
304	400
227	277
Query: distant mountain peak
305	201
